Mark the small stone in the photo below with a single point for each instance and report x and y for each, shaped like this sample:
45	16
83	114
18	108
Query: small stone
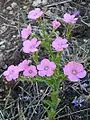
13	5
30	1
2	47
83	3
9	8
36	3
4	66
13	22
85	40
4	10
3	29
24	7
11	12
41	91
14	36
49	13
44	2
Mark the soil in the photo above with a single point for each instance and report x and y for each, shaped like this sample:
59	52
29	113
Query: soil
24	94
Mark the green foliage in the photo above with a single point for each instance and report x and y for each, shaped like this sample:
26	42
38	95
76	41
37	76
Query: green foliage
51	114
54	81
68	31
35	57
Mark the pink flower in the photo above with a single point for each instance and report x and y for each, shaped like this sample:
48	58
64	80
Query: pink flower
24	65
30	71
11	73
30	46
26	32
55	24
59	44
34	14
74	71
69	18
46	68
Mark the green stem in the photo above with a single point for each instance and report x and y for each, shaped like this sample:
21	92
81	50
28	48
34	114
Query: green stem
68	31
35	57
46	43
52	33
51	114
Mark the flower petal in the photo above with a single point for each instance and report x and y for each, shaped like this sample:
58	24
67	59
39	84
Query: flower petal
81	74
42	73
73	78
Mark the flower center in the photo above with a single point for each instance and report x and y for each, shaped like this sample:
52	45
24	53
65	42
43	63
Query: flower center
74	72
30	71
12	71
35	14
56	24
46	68
33	46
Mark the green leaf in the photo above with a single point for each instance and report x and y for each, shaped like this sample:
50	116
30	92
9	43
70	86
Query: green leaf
48	102
54	98
51	114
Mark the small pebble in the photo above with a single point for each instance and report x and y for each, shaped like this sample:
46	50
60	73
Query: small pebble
13	5
85	40
2	47
24	7
41	91
83	3
13	22
89	4
36	3
11	12
44	2
4	10
14	36
9	8
3	29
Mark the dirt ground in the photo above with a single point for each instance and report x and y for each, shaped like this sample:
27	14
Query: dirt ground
23	94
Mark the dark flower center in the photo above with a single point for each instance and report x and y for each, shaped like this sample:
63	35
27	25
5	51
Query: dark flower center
46	68
33	46
30	71
12	71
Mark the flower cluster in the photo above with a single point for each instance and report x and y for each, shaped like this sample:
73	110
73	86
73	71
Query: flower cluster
73	70
45	68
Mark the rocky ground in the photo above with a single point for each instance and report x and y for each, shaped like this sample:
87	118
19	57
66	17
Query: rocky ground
12	19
